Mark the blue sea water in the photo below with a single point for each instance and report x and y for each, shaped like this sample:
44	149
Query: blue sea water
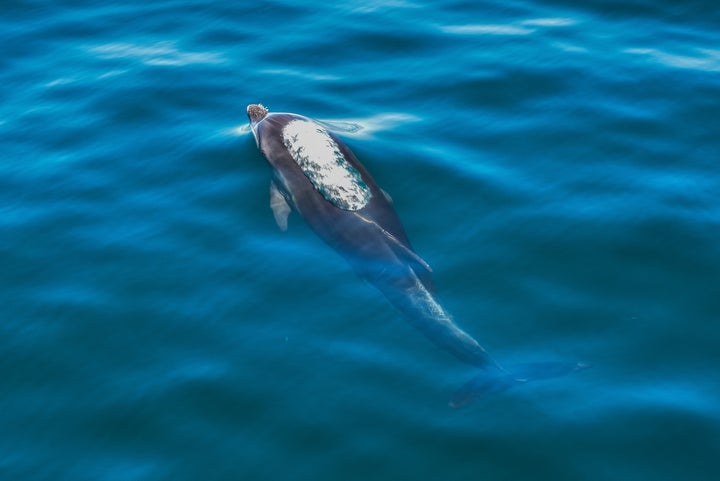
556	163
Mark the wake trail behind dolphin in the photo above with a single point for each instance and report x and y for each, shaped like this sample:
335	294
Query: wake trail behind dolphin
496	382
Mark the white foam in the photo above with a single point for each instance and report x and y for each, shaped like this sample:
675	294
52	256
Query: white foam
549	22
487	29
708	60
160	53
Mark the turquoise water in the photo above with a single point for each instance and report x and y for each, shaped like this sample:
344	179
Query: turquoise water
556	163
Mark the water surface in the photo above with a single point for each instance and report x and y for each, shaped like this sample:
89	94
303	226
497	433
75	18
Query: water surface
555	163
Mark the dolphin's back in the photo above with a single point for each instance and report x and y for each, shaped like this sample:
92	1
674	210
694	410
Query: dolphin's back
371	238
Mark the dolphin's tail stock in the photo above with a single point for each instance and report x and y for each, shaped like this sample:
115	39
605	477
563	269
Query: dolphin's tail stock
409	294
412	296
494	382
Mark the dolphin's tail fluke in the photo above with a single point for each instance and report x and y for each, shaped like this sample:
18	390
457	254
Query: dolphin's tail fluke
492	382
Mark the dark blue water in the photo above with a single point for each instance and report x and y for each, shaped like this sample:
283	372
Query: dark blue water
556	163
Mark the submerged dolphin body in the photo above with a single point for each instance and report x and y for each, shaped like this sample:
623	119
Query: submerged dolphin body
317	175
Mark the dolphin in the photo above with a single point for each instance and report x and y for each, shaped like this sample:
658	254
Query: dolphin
318	176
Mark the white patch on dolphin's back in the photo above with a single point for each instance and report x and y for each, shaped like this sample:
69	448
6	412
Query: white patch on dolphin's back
320	158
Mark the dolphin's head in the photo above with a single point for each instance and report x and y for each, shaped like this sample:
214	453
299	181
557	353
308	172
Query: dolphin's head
256	112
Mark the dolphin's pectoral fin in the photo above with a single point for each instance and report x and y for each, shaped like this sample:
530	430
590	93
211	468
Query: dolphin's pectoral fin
387	196
278	204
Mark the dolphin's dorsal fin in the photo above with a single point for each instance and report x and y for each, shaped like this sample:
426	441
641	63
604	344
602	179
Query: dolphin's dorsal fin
278	204
397	245
406	250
